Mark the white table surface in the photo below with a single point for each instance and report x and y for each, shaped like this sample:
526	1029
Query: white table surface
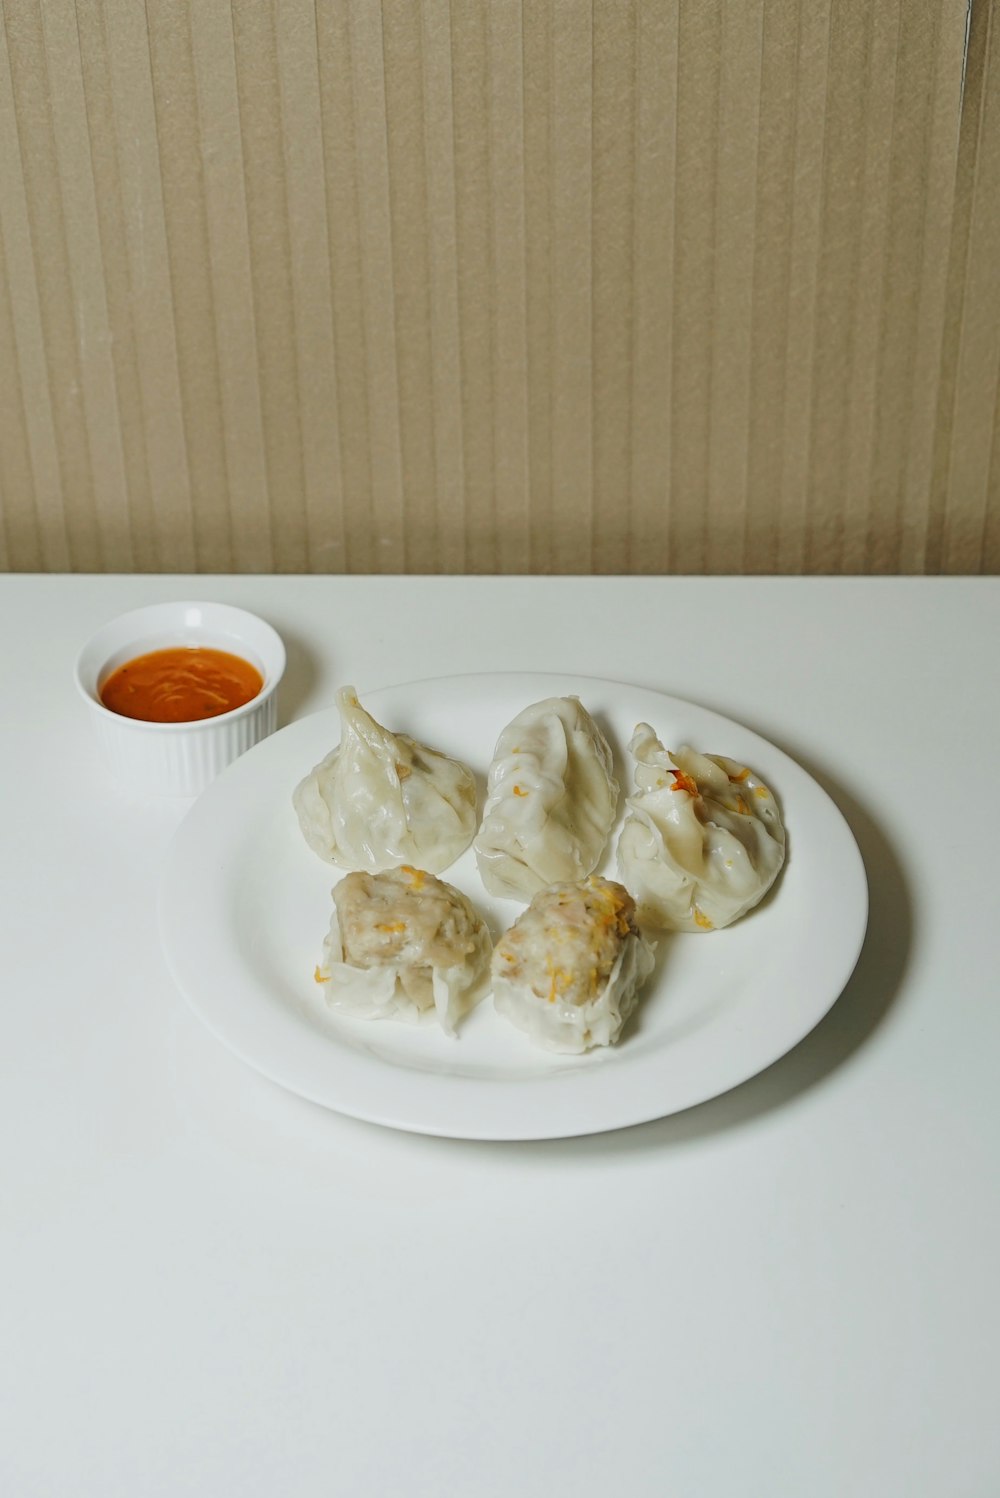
211	1287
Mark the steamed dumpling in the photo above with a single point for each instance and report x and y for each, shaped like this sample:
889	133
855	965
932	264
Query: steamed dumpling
551	802
381	799
702	840
403	945
570	968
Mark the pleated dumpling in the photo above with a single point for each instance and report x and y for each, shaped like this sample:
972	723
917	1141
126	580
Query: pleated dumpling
381	799
551	800
703	840
404	945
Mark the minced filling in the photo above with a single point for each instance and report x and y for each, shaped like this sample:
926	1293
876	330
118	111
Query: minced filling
403	918
568	940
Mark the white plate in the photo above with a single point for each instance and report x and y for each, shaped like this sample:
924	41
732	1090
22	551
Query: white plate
245	904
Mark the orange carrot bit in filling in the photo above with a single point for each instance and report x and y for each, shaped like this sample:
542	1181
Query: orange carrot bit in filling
683	782
761	790
319	976
415	876
551	970
559	980
739	779
702	920
518	791
390	926
742	807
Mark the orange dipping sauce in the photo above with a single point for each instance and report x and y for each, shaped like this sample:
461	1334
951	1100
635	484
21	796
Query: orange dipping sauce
181	685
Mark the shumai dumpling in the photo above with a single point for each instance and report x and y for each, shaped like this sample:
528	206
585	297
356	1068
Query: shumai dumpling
570	968
703	840
403	945
551	800
381	799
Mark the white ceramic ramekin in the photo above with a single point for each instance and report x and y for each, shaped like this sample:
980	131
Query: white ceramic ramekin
180	759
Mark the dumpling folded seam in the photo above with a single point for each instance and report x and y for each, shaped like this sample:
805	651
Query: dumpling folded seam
551	800
703	839
380	799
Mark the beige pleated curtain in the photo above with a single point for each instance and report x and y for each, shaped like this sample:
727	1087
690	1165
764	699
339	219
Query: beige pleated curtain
332	285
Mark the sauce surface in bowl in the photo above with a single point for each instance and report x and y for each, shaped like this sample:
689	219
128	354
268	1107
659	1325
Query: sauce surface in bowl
181	685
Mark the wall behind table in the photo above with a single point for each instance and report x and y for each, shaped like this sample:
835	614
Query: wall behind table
331	285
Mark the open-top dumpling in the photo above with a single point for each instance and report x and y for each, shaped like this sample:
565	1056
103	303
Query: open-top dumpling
569	970
703	840
403	945
381	799
551	800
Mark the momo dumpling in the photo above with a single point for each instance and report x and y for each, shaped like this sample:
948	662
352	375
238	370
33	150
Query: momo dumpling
551	800
403	945
570	968
381	799
702	840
